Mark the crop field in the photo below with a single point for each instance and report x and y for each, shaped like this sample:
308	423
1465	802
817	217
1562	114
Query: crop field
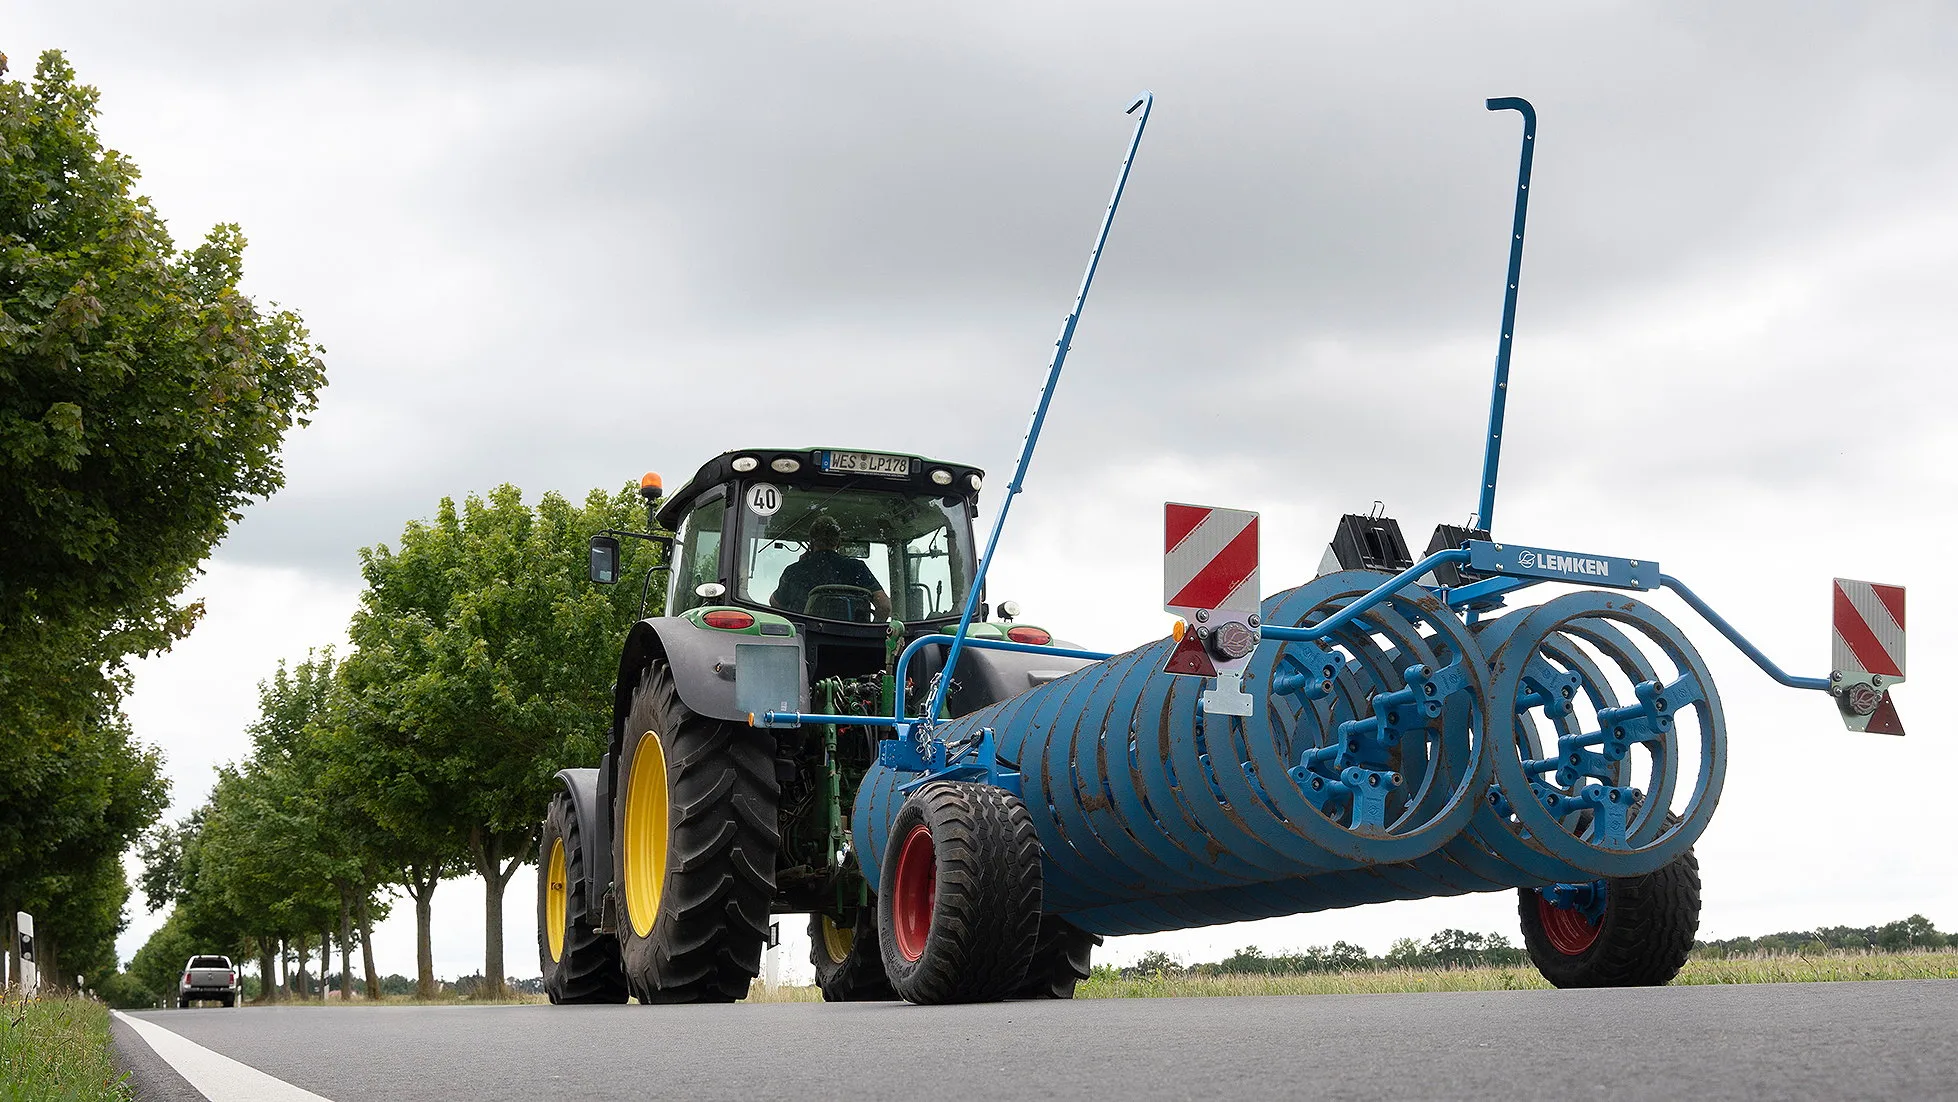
57	1048
1764	968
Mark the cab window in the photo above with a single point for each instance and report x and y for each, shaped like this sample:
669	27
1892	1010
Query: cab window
700	555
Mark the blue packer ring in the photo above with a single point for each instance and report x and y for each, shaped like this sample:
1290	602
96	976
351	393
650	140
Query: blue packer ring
1652	842
1455	763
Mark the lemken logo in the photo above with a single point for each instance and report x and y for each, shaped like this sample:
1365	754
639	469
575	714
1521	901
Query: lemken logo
1563	564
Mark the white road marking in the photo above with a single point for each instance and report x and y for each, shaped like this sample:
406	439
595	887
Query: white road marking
218	1077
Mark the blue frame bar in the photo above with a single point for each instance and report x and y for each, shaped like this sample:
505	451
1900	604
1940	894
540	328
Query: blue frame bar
1485	509
904	659
1739	640
797	719
1486	589
1146	102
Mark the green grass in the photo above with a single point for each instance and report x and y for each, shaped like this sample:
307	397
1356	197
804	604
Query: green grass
56	1049
1941	965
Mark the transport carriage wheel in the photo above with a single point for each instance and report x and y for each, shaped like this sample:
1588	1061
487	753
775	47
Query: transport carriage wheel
694	842
1641	938
1060	960
959	913
849	961
580	965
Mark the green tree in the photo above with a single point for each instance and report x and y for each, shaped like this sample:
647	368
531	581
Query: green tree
483	664
1155	964
143	400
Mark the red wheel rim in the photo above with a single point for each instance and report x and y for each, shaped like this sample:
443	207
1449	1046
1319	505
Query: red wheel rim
914	892
1566	928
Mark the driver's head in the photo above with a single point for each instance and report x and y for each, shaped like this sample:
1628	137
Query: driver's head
825	533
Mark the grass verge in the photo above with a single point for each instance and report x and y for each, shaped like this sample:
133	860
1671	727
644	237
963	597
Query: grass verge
1941	965
56	1049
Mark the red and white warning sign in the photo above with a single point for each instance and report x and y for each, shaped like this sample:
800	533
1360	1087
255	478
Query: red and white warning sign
1210	559
1210	579
1868	654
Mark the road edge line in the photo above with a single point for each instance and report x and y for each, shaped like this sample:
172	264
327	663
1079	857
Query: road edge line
217	1076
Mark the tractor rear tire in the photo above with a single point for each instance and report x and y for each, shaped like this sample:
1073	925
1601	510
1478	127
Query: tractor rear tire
1642	939
695	838
585	968
959	913
849	962
1061	959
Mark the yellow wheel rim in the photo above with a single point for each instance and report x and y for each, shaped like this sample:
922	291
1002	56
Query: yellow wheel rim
556	900
645	834
837	940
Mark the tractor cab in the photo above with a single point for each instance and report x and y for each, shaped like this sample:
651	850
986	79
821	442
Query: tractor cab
839	542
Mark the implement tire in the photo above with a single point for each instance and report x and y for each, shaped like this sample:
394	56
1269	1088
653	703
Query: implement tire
1061	958
1642	940
959	914
849	961
580	965
694	842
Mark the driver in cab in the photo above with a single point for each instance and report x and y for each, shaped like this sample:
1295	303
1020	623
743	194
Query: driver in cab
824	565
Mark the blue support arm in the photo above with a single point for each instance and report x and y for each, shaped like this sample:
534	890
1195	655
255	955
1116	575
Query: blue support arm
1485	509
1739	640
1145	103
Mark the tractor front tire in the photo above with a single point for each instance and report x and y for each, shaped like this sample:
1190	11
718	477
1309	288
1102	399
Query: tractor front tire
695	838
1061	958
580	964
849	961
1641	940
958	915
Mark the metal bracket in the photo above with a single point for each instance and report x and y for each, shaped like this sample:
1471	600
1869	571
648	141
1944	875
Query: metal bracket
977	760
1228	698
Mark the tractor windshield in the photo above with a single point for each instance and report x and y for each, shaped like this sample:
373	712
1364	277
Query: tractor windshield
860	556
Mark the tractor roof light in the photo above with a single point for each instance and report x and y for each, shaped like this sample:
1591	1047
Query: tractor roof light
728	619
785	465
976	482
942	477
1027	633
650	486
744	464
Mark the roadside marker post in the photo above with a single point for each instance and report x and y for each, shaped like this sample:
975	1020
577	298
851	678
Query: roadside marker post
1867	654
30	972
1210	580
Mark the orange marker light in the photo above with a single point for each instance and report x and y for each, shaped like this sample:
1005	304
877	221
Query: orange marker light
1178	629
650	481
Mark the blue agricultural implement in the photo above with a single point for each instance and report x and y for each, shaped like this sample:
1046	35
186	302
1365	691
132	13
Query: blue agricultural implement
1391	729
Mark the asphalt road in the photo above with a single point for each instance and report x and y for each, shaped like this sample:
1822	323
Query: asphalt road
1848	1040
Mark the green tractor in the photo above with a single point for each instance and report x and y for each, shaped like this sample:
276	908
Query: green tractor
795	578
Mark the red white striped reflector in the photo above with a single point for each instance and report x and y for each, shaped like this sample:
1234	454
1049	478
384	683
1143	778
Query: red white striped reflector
1210	558
1869	636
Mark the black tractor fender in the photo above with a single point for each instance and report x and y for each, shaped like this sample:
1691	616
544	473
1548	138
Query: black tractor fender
702	661
594	827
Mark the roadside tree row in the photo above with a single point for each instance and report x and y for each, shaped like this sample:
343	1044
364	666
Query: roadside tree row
482	663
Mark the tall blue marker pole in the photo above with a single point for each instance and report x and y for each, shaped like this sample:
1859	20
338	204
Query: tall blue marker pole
1485	510
1144	104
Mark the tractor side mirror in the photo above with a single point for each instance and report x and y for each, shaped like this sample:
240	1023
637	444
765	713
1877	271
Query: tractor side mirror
604	559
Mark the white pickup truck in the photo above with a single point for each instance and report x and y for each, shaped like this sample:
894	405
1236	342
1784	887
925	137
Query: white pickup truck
208	979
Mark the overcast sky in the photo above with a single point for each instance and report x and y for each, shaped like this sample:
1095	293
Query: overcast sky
557	245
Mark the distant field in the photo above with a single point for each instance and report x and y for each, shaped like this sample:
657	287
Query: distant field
1760	968
1941	965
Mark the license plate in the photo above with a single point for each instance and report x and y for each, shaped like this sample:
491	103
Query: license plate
889	466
